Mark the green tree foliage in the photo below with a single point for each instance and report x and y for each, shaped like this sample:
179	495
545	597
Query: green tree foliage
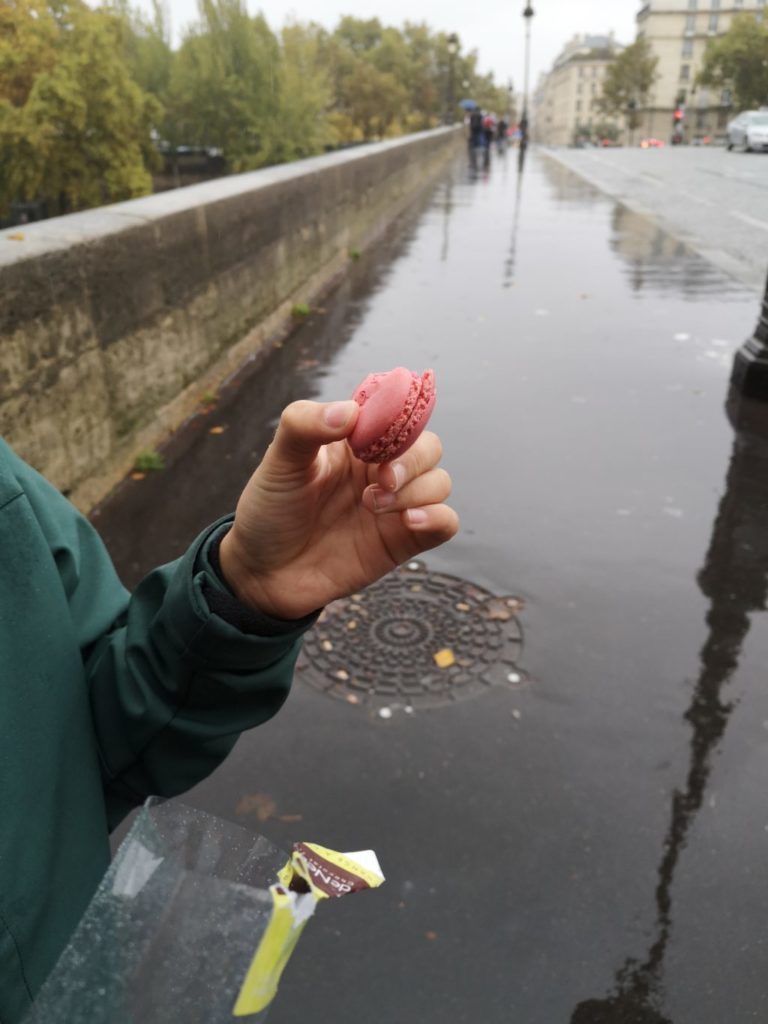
738	60
628	81
225	84
74	126
88	97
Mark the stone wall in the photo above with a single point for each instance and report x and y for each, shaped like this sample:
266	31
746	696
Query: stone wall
114	321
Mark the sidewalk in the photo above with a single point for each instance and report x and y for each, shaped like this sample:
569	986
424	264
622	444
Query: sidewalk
535	839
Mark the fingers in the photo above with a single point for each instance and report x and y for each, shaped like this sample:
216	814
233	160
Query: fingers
421	457
431	525
303	429
431	488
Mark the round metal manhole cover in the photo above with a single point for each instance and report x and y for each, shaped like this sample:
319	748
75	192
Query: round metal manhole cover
416	639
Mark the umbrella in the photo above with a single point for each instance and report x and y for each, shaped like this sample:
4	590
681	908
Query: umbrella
468	104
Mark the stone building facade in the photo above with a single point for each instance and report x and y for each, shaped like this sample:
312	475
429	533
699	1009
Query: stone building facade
564	105
678	32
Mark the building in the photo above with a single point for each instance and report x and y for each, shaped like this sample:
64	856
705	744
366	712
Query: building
564	106
678	32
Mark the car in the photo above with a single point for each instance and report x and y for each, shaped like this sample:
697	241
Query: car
749	131
651	144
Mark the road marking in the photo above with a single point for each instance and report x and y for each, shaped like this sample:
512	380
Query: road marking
750	220
703	202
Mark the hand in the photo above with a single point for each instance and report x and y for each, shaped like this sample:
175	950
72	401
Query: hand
314	523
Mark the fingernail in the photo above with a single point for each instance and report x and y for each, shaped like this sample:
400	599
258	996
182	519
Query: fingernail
399	470
382	499
416	516
338	414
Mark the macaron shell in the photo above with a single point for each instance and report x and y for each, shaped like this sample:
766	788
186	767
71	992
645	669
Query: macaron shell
384	397
395	408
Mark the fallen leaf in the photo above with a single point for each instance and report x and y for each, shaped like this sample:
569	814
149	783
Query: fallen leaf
138	476
18	236
217	430
342	675
444	658
351	624
462	606
290	818
430	935
260	804
326	645
352	698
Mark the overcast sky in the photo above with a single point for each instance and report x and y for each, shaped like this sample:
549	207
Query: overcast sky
495	28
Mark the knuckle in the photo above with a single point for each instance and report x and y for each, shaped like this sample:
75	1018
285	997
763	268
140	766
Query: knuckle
293	415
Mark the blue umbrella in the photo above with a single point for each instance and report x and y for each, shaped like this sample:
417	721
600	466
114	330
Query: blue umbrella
468	104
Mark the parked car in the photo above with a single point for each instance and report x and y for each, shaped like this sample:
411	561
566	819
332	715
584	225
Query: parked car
651	144
749	130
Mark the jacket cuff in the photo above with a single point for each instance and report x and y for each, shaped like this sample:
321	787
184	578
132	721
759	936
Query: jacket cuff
223	602
207	637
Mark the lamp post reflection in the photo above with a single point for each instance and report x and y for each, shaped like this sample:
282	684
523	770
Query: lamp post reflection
734	581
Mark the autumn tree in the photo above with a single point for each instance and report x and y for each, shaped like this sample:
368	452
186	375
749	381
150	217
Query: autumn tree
74	127
628	82
738	61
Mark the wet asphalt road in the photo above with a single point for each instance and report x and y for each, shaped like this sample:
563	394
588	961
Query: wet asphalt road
590	849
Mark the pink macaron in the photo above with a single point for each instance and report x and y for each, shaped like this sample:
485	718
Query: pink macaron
394	409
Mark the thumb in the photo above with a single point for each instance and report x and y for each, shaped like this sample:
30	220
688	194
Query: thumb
304	428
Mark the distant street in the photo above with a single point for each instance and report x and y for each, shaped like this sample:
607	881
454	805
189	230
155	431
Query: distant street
715	200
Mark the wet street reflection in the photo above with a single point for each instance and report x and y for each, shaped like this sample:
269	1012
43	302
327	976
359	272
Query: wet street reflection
588	847
734	580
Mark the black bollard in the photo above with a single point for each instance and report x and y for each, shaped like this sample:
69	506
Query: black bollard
750	364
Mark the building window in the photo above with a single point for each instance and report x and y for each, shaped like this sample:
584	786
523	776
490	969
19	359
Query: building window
685	72
713	20
581	72
687	47
681	97
690	23
715	5
578	105
578	87
691	5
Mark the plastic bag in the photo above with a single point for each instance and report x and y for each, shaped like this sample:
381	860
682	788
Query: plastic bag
190	924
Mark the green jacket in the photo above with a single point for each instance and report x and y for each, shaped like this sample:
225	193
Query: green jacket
105	698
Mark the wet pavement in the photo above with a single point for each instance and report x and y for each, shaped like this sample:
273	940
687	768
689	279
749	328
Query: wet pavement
589	848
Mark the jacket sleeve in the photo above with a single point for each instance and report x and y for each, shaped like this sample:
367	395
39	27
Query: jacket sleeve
171	684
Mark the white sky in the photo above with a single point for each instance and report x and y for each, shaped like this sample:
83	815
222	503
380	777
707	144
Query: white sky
495	28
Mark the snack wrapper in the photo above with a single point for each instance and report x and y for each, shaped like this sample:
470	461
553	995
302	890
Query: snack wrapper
193	923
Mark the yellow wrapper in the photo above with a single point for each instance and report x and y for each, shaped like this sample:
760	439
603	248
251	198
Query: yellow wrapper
312	874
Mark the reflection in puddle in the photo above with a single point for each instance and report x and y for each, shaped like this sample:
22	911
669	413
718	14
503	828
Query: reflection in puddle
656	262
735	581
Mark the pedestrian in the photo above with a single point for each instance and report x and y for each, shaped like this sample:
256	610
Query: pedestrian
476	135
501	135
108	697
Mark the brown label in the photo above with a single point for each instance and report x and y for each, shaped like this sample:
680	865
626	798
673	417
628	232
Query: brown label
329	877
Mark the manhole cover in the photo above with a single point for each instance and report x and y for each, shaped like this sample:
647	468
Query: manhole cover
415	638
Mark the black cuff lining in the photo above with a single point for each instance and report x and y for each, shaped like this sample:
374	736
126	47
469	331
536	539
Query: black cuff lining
231	610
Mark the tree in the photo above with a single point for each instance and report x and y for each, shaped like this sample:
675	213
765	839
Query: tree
75	129
628	81
738	60
305	96
225	85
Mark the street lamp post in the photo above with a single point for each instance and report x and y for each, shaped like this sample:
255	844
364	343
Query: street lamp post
527	15
750	365
453	49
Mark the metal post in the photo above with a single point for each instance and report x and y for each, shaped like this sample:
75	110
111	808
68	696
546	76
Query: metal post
453	49
750	364
528	15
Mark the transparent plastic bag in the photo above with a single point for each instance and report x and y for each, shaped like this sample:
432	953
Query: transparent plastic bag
171	933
